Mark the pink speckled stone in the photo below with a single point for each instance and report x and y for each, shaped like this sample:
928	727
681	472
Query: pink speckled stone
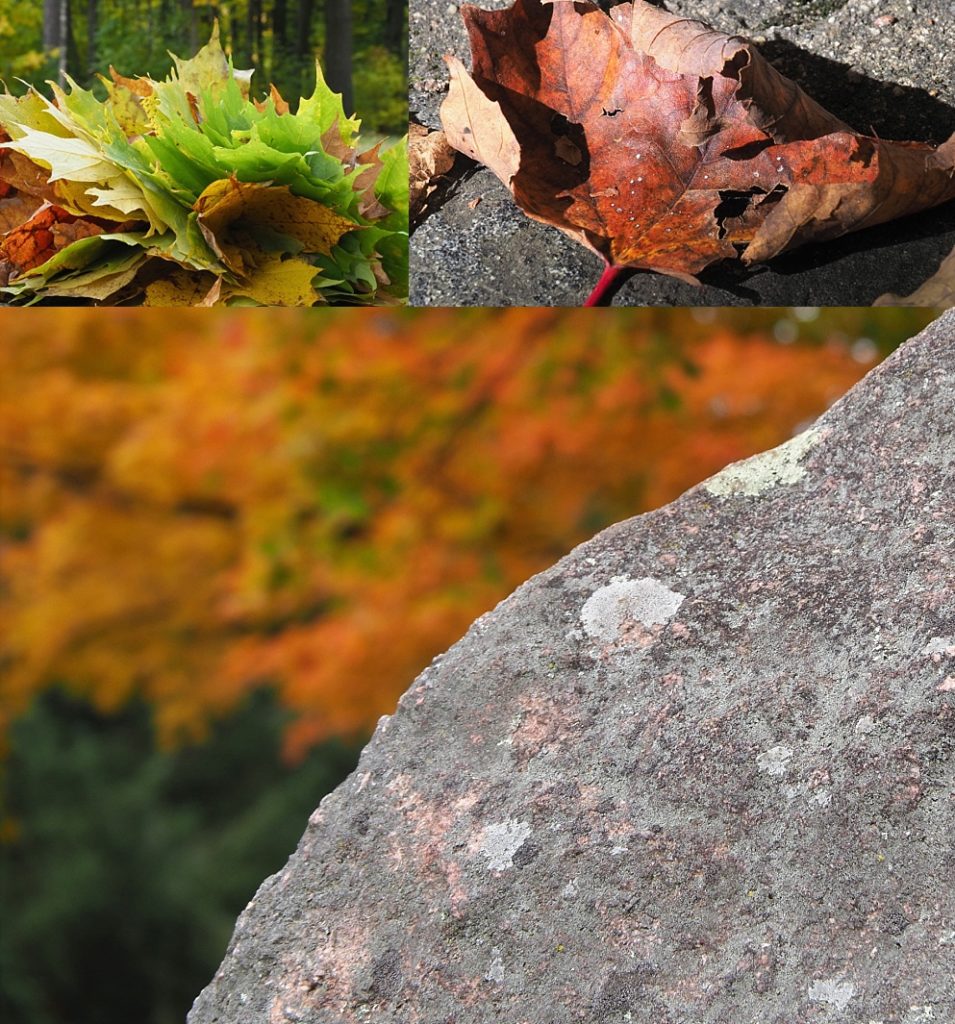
723	796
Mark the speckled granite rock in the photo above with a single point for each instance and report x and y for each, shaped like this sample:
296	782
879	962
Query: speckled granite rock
702	770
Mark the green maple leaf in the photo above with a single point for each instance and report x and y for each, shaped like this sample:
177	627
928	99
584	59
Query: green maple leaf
150	155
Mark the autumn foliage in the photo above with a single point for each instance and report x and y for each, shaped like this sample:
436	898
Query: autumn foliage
190	192
199	505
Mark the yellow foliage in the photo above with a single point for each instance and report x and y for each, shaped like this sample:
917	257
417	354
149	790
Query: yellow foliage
198	503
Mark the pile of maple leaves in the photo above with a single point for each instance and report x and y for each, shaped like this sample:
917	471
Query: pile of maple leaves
188	192
663	145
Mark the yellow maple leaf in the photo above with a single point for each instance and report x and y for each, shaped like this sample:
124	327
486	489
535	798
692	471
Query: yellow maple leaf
228	202
181	288
280	282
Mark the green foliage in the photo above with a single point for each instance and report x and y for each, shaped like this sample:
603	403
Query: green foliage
381	87
139	37
21	54
171	155
123	868
147	52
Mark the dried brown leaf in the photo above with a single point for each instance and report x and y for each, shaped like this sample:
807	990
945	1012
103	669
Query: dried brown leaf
662	144
44	234
430	158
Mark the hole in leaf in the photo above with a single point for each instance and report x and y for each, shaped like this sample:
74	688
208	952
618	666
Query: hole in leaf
750	150
734	204
773	197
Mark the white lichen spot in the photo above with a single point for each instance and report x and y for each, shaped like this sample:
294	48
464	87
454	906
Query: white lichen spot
865	725
502	841
495	972
774	761
832	991
622	601
762	472
944	645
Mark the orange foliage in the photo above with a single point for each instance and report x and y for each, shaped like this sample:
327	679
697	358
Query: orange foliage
196	504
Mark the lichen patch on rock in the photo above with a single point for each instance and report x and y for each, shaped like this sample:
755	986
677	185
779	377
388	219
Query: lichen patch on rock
754	476
833	991
775	761
623	601
501	841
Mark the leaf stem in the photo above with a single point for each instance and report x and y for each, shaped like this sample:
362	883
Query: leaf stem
605	287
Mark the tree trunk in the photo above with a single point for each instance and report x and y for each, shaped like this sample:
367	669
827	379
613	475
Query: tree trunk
56	34
259	28
63	63
253	31
279	34
303	35
338	50
189	14
395	37
51	24
92	28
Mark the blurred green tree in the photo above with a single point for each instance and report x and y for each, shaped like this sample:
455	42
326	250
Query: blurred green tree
123	868
279	38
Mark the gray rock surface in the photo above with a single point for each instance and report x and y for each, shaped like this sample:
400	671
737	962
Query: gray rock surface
701	770
891	77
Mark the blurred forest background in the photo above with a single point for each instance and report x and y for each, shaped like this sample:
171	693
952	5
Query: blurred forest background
362	45
229	542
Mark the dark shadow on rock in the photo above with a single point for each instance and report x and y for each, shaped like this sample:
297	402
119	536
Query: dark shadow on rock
885	109
732	277
908	274
447	186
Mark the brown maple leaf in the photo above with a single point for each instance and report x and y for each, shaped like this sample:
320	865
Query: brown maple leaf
281	105
15	208
45	233
662	144
430	158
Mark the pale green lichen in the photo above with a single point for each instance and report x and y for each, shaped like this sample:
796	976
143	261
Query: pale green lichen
762	472
775	761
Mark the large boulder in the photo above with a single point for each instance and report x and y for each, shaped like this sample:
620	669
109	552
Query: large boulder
701	770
